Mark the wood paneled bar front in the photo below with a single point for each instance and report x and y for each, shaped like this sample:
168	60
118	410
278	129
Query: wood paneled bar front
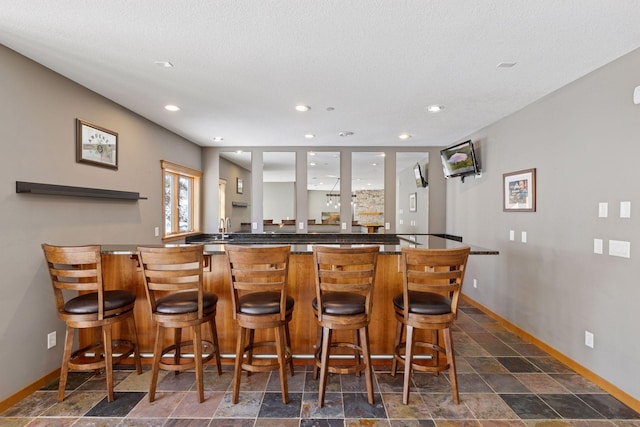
121	269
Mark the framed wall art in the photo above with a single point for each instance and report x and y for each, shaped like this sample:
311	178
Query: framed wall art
96	145
239	186
413	207
519	191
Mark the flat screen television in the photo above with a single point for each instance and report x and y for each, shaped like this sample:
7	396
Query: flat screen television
420	181
459	160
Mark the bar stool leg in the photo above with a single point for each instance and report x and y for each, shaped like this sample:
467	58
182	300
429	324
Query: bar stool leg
249	339
408	360
237	371
136	346
324	364
364	344
216	346
157	355
108	361
448	343
177	333
317	352
197	354
396	345
357	350
66	357
282	361
288	347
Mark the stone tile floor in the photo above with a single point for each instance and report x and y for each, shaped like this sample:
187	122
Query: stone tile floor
503	381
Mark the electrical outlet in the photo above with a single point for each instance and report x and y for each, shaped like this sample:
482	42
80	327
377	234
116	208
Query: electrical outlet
156	231
51	339
475	283
588	339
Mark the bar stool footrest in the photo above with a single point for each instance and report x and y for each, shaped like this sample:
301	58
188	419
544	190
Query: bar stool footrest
342	369
92	356
259	363
433	365
167	361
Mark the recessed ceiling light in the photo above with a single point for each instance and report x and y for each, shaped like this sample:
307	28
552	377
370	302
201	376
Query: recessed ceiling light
374	164
302	108
312	164
163	64
309	135
435	108
506	64
404	136
218	139
345	133
171	107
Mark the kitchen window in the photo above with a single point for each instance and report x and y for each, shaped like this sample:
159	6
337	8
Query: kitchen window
181	200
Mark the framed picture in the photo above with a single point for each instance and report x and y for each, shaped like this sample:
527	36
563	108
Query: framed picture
96	145
239	185
519	191
413	207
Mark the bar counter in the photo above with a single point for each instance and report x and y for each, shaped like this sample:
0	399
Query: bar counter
121	270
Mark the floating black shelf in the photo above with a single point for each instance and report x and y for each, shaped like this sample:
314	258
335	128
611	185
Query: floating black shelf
66	190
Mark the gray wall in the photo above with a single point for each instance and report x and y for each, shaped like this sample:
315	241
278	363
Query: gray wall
38	109
417	221
237	215
583	141
279	201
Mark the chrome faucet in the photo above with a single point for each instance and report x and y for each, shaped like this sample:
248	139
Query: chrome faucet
225	227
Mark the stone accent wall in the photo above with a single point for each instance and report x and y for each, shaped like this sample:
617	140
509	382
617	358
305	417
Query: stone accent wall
369	207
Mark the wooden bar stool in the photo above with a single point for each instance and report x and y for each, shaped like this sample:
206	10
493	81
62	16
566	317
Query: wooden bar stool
432	281
344	298
258	276
174	283
79	269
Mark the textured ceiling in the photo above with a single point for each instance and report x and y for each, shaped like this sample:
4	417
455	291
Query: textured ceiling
241	66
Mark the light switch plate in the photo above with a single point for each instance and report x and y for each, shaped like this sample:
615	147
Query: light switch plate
523	237
625	209
636	95
512	235
597	246
603	209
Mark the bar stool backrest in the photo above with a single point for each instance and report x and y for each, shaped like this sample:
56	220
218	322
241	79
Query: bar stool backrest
172	269
258	269
76	268
439	271
351	270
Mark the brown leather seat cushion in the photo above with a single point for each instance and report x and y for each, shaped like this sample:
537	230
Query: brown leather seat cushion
424	303
185	302
263	303
88	303
341	303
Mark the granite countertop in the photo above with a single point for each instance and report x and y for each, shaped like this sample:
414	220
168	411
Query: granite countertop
303	243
